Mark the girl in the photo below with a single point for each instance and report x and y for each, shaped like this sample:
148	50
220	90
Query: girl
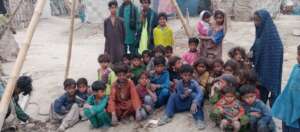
201	74
239	55
204	29
231	67
174	65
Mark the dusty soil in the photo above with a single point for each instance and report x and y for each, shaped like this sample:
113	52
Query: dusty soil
46	60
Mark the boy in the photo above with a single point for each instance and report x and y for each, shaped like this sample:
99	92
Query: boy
82	89
146	57
124	100
136	67
169	52
163	34
65	109
114	33
160	81
260	117
94	109
174	67
191	56
105	73
188	97
157	51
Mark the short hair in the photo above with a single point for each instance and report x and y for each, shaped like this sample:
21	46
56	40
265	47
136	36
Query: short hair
232	51
201	61
173	60
142	1
246	89
186	68
103	58
169	48
112	3
146	52
160	49
120	68
82	81
144	73
159	60
194	40
98	85
218	60
69	82
233	64
206	15
24	83
251	77
229	90
163	15
127	56
136	56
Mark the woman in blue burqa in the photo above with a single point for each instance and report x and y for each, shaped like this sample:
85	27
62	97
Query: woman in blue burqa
267	56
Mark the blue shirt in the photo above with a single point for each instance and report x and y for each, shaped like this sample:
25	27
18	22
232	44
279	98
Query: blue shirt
63	104
162	79
194	87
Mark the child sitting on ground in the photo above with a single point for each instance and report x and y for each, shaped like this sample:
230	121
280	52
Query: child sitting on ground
82	92
188	97
157	52
201	74
228	111
259	115
126	59
217	67
231	67
94	109
136	67
248	77
65	109
169	52
239	55
160	81
105	73
146	55
147	96
174	66
191	56
163	34
124	100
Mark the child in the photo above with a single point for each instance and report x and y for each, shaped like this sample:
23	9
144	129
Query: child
169	52
204	30
191	56
94	109
260	118
124	100
163	34
126	59
286	106
160	81
114	33
157	51
217	68
229	110
231	67
174	66
248	77
65	109
201	74
82	89
136	67
146	57
188	97
105	73
239	55
147	96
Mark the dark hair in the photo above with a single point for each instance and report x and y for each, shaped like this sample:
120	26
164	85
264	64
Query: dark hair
229	90
233	64
206	15
194	40
146	52
127	56
82	81
251	77
144	73
69	82
186	68
160	49
232	51
120	67
169	48
218	60
173	60
142	1
219	12
201	61
24	83
163	15
103	58
136	56
246	89
98	85
112	3
159	60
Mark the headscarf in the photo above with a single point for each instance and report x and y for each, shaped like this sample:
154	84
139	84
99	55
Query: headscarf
268	53
203	27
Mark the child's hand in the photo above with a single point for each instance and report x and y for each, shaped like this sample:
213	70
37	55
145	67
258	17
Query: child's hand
194	108
87	106
255	114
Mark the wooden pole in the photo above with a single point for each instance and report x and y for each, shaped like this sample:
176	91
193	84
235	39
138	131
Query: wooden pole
179	13
70	39
6	98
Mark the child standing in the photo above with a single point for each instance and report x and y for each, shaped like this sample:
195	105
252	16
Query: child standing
174	67
105	73
191	56
136	67
114	33
160	81
286	106
260	117
201	74
204	30
188	97
94	109
124	100
163	34
65	109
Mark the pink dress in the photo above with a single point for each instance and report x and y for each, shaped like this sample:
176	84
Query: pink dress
189	57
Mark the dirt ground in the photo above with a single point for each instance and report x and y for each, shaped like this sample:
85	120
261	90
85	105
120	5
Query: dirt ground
46	61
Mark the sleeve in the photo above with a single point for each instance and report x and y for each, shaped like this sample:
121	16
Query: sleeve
201	30
172	37
179	88
21	115
112	100
199	95
58	105
136	102
106	47
166	80
123	33
155	36
266	113
100	106
218	37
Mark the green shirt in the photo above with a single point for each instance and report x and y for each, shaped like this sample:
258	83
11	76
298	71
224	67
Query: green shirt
97	107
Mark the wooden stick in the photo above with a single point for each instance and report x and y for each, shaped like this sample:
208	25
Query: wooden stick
179	13
70	39
6	98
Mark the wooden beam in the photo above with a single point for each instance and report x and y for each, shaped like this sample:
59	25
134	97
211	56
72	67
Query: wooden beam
182	19
6	98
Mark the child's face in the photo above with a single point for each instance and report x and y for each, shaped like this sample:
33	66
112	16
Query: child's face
249	98
169	54
99	93
125	60
145	4
207	19
219	19
157	54
201	68
192	47
238	56
146	58
229	97
113	10
222	83
71	90
144	80
104	65
136	62
218	68
159	68
122	76
228	70
186	76
162	22
257	20
178	64
82	88
298	57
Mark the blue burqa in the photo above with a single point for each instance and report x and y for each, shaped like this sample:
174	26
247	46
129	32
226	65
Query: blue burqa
268	53
287	105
